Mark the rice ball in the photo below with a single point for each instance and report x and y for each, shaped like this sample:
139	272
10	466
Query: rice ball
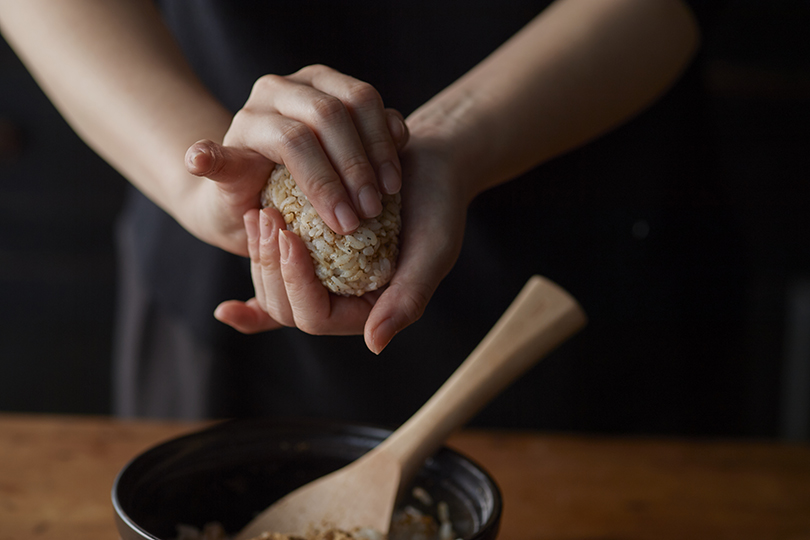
347	265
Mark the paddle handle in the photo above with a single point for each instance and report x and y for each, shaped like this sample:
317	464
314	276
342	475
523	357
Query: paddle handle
541	317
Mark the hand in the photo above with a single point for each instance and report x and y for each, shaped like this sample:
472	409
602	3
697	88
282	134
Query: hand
434	203
329	129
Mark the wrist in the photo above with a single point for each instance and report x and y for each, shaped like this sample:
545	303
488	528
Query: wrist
451	126
192	203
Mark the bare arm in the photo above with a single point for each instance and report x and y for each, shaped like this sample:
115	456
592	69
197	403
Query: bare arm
116	74
580	68
577	70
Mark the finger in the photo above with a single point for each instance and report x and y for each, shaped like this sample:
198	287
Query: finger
275	300
418	274
251	220
309	299
348	118
229	166
365	107
246	317
286	140
401	304
315	310
397	127
374	127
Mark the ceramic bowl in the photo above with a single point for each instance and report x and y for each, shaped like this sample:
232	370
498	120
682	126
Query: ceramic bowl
232	470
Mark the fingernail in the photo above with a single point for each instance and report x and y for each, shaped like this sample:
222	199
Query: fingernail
198	161
370	201
395	127
390	178
283	247
192	157
346	217
384	333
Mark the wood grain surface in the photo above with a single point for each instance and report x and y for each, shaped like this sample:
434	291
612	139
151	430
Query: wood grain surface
56	474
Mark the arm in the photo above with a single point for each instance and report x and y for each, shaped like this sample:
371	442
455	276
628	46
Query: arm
577	70
118	78
116	74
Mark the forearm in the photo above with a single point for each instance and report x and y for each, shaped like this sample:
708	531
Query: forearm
114	72
577	70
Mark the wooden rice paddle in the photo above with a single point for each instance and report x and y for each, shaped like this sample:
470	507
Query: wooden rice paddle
362	494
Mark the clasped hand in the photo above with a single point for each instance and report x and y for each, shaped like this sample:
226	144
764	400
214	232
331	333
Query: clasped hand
344	149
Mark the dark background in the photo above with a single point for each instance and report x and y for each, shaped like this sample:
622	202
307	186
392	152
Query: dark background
58	204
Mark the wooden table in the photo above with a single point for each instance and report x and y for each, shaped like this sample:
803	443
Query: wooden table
56	474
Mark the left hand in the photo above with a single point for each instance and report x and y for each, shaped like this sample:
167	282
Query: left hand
434	204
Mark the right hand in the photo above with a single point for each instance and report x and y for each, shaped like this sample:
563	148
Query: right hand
330	130
434	205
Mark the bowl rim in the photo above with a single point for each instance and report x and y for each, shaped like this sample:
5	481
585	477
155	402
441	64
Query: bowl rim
488	527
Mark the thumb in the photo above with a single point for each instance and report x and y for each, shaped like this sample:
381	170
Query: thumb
425	259
397	127
400	305
229	166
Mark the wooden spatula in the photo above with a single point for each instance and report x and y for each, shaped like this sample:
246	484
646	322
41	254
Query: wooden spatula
362	494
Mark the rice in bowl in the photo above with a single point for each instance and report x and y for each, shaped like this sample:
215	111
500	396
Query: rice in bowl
349	265
407	523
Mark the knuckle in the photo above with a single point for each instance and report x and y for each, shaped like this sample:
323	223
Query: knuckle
413	301
240	119
264	83
328	108
326	189
308	326
280	315
381	149
296	136
311	69
317	69
254	253
302	71
311	320
358	167
364	96
265	258
242	124
286	320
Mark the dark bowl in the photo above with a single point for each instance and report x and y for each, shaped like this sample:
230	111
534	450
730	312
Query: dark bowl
230	471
